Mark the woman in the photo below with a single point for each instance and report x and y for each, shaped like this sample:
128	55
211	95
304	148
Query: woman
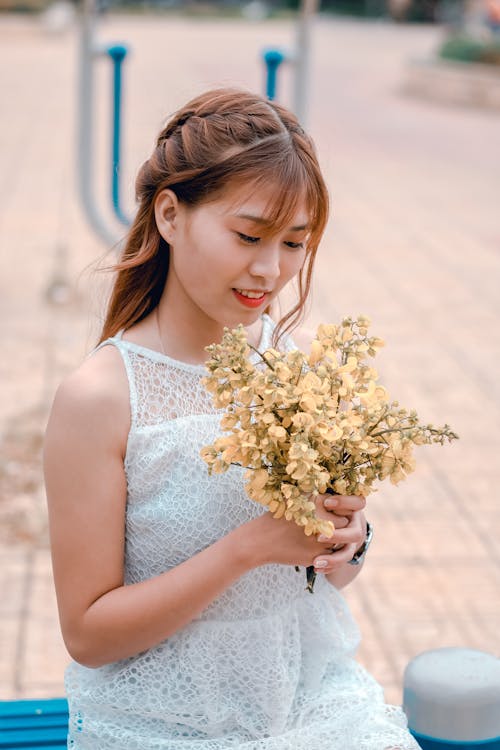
179	602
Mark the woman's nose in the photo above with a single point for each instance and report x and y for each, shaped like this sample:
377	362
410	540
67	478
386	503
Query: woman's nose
266	262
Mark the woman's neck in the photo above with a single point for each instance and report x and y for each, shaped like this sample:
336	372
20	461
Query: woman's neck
185	337
182	329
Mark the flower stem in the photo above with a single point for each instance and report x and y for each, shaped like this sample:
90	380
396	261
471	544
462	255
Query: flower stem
311	578
261	356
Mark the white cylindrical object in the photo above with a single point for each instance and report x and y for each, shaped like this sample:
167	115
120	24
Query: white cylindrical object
453	694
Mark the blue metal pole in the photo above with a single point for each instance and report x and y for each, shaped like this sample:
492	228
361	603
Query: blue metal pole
117	52
273	59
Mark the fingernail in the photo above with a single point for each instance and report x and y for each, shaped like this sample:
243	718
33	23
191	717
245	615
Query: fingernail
323	538
331	503
321	564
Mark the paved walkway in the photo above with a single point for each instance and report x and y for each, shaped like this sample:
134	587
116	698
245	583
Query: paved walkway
414	243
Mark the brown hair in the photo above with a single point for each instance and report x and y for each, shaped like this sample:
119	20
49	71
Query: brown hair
220	138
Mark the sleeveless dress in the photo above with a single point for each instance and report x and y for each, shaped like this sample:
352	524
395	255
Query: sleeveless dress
267	665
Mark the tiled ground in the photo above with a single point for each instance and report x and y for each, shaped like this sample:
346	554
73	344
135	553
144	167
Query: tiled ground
413	242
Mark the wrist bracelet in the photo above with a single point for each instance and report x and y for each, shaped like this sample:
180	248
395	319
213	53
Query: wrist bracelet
359	556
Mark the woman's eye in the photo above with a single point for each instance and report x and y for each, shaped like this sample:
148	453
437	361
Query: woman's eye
294	245
246	238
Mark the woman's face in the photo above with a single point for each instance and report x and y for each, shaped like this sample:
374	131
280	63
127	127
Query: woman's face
227	263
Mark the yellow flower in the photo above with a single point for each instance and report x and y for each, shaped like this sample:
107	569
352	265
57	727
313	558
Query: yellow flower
298	469
302	420
368	394
307	402
228	421
350	365
381	393
326	331
246	395
310	381
316	354
340	486
278	432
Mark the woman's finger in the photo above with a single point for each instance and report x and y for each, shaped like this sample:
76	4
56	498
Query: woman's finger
340	522
349	535
343	544
338	518
344	503
326	563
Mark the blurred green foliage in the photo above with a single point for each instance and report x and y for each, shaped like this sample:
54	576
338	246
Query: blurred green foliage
465	49
416	10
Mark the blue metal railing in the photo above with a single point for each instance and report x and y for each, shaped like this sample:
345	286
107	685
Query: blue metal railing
117	54
272	59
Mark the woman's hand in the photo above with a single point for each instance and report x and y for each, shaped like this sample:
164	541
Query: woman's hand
350	530
276	540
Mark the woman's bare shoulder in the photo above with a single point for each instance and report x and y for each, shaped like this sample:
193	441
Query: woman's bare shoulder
100	377
95	396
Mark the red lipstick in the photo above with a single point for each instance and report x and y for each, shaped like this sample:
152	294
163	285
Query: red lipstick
250	301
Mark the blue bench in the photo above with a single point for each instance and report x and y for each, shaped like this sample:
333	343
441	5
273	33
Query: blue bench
34	724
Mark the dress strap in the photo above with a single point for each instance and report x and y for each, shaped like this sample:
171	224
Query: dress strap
117	342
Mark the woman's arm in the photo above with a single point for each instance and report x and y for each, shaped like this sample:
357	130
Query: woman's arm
102	620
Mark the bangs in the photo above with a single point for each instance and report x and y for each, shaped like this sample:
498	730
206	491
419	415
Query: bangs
290	172
292	185
289	191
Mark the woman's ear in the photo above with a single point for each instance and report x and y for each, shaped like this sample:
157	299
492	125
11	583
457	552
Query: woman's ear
166	214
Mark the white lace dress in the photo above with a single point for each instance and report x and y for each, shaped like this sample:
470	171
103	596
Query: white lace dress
267	666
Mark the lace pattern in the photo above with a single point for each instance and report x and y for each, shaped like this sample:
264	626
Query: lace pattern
266	666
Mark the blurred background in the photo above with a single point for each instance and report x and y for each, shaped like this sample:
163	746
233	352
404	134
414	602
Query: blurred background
403	100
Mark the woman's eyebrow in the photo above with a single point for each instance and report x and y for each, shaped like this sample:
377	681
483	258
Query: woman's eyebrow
262	220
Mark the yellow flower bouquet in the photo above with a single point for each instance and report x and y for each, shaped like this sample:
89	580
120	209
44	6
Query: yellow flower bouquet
307	424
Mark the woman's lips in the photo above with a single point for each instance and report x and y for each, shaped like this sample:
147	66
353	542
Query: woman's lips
250	301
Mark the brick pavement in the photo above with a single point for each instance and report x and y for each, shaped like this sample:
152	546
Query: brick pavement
413	242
